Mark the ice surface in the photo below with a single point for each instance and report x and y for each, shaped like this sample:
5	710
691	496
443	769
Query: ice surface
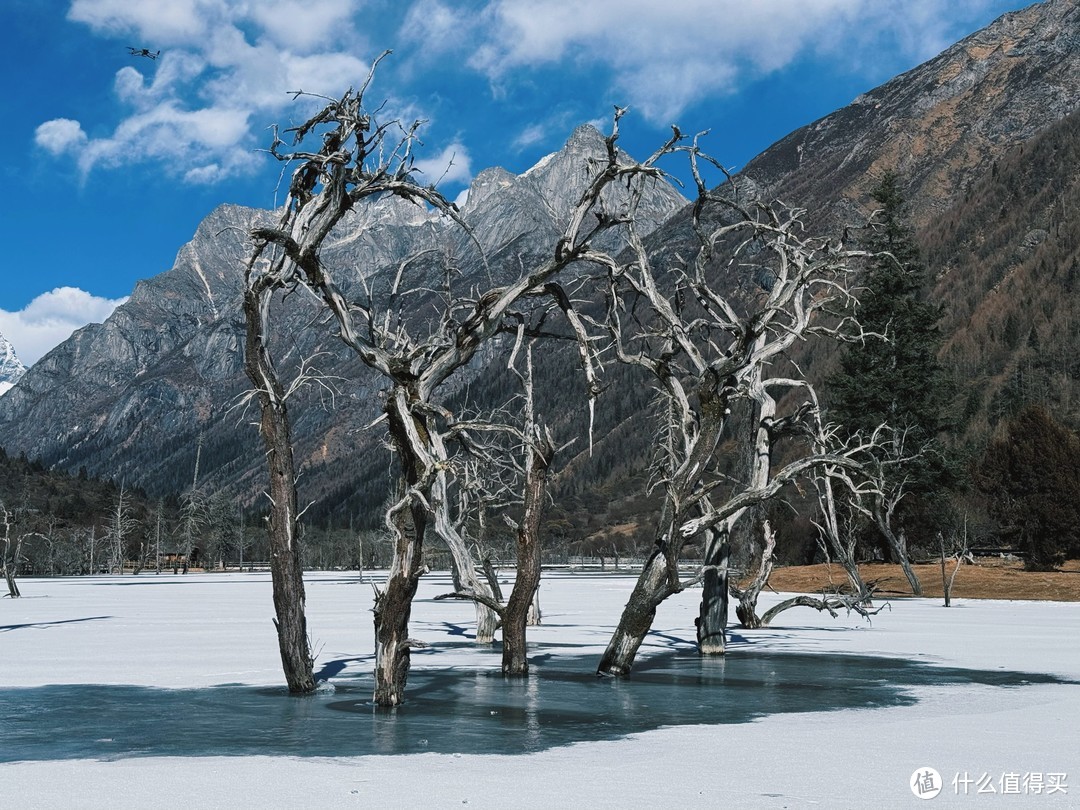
920	687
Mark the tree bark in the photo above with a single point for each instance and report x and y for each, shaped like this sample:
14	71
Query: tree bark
285	564
9	573
659	579
516	614
898	545
713	611
463	568
393	607
652	588
8	561
748	599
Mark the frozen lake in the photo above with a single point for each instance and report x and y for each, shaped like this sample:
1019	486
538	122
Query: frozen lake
458	711
110	688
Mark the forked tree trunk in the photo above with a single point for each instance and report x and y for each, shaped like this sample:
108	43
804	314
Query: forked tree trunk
393	605
463	566
713	612
13	588
516	613
10	563
659	579
285	565
746	610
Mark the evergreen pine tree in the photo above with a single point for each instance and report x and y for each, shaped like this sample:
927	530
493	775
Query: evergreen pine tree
898	381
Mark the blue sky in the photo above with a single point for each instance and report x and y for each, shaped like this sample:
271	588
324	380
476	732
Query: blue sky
112	160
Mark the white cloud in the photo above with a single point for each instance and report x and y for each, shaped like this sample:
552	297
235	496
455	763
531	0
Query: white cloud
59	135
452	165
226	67
532	134
159	23
49	320
662	56
301	25
438	27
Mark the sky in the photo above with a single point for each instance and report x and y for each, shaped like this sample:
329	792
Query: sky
112	159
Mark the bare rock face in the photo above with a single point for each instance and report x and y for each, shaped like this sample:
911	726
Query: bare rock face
940	125
11	368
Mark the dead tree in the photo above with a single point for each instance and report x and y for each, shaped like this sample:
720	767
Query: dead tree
360	159
704	350
12	549
888	488
746	610
121	524
836	517
282	524
829	603
538	449
961	554
883	511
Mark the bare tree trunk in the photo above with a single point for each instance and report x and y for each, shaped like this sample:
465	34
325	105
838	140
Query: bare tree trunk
961	556
652	588
713	612
748	599
10	564
540	453
945	583
835	542
659	578
393	604
9	561
898	544
286	569
285	563
464	572
393	607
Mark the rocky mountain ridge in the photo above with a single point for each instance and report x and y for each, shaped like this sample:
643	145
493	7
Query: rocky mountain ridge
11	368
130	397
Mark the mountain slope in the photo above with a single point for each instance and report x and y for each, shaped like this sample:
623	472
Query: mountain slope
130	397
938	126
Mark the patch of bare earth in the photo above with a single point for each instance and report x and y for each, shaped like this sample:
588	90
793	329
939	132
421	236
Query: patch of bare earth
986	579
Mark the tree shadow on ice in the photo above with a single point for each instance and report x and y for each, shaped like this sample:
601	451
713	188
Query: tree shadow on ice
7	628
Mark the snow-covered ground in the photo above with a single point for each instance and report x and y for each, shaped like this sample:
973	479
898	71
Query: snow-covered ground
205	630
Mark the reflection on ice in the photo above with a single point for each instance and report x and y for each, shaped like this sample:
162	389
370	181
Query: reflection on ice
457	711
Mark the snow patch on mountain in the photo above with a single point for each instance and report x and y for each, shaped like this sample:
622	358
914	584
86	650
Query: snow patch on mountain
11	368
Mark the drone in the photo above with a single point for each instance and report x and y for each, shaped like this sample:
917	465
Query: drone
143	52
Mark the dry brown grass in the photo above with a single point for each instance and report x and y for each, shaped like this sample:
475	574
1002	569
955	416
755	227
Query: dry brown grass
987	579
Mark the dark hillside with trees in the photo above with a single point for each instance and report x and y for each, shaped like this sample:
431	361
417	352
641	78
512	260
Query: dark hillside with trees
1007	262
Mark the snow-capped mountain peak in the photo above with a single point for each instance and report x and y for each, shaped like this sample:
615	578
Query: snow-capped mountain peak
11	368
